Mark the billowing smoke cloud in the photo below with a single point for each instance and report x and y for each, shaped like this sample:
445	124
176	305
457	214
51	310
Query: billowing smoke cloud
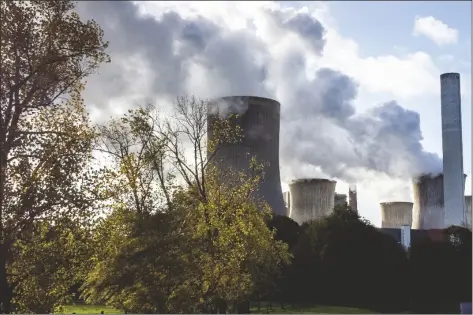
159	58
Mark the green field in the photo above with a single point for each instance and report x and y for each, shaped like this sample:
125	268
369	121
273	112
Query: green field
96	309
90	309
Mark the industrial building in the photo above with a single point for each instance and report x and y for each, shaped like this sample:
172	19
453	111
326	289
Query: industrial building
311	199
407	236
396	214
259	120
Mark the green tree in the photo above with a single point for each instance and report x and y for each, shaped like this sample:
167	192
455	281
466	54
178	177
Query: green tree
441	271
51	260
46	53
431	283
206	229
343	260
281	287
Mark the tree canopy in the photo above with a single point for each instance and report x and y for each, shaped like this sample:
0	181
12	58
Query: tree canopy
45	137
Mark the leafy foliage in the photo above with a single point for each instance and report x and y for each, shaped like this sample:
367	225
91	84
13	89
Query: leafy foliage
44	134
205	245
342	260
49	261
441	272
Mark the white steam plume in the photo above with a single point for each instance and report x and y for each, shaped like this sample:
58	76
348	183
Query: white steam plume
263	50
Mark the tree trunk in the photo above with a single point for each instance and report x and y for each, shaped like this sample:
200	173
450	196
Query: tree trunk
243	308
5	290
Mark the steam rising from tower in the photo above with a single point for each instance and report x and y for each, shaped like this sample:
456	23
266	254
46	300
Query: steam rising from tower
453	181
259	120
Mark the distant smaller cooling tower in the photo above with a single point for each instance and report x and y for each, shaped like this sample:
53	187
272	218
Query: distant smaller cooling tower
340	199
468	211
396	214
311	199
428	202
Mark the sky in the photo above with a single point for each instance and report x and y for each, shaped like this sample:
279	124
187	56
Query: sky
358	82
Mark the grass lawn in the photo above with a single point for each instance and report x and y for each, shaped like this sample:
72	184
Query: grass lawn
276	309
90	309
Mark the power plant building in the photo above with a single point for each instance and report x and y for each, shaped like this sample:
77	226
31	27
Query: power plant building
396	214
259	120
311	199
453	178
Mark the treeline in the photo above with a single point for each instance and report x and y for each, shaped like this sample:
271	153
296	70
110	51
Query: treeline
132	213
343	260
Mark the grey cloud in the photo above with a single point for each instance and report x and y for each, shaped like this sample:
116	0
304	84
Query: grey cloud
323	129
232	58
304	25
198	32
169	46
308	27
395	136
336	92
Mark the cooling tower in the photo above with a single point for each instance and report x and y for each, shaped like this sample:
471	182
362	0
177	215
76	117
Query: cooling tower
396	214
428	202
428	210
352	198
453	180
311	199
468	211
340	199
259	121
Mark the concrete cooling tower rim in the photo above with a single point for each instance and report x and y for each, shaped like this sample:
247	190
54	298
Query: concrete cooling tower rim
312	181
430	176
396	203
267	101
450	74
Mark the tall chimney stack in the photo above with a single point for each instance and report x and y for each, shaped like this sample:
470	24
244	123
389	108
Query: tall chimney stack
352	199
453	178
